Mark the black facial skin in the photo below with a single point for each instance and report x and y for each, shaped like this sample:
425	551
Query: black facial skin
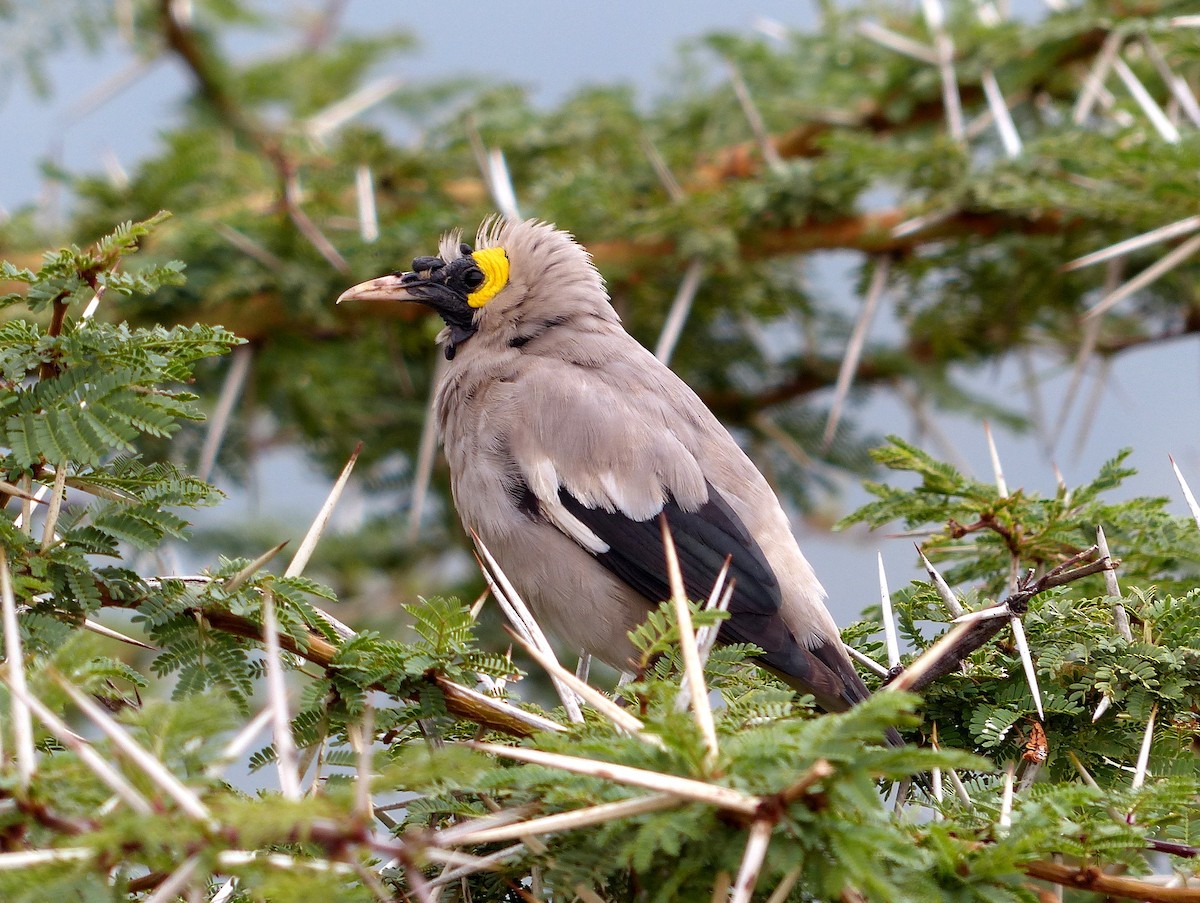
445	287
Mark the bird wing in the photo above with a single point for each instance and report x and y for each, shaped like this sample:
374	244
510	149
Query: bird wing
602	464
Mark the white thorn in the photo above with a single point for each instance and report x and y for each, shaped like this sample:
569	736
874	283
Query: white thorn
1159	268
155	770
889	621
1120	617
500	181
1018	630
1004	121
1187	492
892	40
1176	229
1094	82
1149	106
15	656
865	660
1105	703
1006	799
1143	759
1001	483
285	745
681	306
368	215
313	536
854	347
943	588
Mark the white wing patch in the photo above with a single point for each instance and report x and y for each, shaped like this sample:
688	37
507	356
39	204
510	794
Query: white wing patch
543	480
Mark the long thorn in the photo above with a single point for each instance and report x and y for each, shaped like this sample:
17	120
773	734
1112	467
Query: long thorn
155	770
569	821
426	455
699	791
943	588
866	661
1187	492
890	638
1143	759
218	424
997	469
524	622
56	499
1179	228
100	630
1018	630
368	215
15	657
1120	616
1149	105
87	755
681	306
693	670
1004	121
313	536
173	885
752	860
1159	268
1094	82
285	745
622	718
854	348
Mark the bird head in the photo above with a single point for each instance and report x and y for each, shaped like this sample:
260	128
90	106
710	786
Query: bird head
517	272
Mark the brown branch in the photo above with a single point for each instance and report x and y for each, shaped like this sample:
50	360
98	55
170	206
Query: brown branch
461	701
1091	878
952	649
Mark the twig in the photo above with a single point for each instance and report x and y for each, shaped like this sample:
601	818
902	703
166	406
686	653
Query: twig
953	647
1092	878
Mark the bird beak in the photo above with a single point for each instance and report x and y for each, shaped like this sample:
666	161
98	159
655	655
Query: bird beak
386	288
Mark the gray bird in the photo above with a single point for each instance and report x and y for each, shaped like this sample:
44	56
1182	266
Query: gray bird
567	439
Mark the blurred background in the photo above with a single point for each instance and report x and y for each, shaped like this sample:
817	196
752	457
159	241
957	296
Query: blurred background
790	154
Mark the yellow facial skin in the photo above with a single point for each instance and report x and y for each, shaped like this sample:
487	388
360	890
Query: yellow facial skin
494	264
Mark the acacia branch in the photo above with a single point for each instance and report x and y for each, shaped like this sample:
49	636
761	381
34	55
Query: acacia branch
953	648
1091	878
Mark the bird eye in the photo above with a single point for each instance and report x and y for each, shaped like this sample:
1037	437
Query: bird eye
473	278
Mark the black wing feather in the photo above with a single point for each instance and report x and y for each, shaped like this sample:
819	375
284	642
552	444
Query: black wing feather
703	538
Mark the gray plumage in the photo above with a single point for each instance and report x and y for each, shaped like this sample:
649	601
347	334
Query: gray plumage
566	440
